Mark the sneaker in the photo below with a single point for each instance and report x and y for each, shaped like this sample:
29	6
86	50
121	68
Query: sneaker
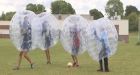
32	66
74	64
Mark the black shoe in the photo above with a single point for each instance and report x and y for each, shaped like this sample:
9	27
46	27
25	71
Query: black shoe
32	66
106	64
101	65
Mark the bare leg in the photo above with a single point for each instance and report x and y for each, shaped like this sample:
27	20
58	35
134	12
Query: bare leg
28	59
74	60
19	61
77	65
47	52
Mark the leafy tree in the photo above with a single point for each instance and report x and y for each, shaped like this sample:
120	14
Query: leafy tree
2	16
130	9
61	7
113	6
7	16
40	8
36	8
133	21
96	14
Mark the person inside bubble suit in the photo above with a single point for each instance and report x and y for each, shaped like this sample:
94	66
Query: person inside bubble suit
45	24
105	50
26	43
74	33
46	33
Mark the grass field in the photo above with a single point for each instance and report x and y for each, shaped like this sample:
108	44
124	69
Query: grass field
125	62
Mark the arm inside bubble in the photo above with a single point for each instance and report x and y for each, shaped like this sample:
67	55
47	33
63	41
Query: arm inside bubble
105	42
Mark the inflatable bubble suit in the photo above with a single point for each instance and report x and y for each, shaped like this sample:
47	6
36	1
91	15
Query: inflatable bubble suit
20	30
46	30
73	34
102	39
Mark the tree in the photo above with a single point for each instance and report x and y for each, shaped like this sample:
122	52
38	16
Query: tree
2	16
62	7
133	21
129	9
113	6
96	14
36	8
7	16
40	8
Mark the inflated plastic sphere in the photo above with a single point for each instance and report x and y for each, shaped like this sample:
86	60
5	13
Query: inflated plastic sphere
73	34
102	39
46	30
20	30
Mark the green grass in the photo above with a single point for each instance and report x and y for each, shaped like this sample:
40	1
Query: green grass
125	62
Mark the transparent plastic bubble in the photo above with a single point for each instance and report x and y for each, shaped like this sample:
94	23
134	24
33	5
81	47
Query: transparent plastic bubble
102	39
20	30
46	30
73	34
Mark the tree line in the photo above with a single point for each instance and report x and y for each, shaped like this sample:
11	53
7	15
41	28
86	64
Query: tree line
62	7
